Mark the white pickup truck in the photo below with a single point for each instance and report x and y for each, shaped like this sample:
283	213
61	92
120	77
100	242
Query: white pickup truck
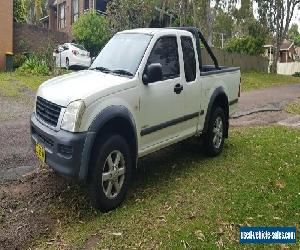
146	90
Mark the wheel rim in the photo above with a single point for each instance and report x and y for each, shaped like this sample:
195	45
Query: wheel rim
113	174
218	132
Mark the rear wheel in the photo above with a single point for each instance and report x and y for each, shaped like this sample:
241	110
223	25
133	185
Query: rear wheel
110	177
215	136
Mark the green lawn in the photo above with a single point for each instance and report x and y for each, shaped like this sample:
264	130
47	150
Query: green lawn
294	107
254	80
182	199
12	84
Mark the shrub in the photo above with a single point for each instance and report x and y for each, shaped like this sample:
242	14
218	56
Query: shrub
19	59
33	65
297	74
91	30
245	45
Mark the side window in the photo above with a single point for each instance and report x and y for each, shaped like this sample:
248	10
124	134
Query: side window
165	52
188	58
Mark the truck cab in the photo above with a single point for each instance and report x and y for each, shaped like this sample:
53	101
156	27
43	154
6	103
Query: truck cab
146	90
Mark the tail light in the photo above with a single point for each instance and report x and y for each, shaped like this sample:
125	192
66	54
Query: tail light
75	52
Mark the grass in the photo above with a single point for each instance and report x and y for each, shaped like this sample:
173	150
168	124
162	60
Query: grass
12	84
182	199
255	80
294	107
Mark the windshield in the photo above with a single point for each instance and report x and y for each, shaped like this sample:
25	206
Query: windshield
122	54
78	46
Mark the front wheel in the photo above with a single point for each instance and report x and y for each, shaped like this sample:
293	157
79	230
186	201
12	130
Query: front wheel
111	173
215	135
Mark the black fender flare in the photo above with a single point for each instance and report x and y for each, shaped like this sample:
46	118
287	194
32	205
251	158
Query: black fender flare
217	92
98	123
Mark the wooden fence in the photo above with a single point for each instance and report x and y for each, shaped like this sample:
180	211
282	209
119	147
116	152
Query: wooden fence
245	62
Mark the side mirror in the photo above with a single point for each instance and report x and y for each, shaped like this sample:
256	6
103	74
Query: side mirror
153	73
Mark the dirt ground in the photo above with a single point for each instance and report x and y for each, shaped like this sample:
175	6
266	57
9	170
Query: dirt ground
27	189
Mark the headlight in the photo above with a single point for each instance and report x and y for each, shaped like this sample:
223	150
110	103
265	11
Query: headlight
72	117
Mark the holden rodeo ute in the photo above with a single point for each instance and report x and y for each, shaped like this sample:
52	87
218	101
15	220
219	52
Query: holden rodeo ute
147	89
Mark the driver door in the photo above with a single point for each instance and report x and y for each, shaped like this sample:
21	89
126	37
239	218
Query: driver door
161	104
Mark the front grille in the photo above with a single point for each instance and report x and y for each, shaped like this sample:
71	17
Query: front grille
47	111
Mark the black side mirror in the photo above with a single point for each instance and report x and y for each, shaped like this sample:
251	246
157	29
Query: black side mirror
153	73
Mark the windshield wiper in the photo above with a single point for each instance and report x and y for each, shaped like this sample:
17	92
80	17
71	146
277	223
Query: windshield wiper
102	69
122	72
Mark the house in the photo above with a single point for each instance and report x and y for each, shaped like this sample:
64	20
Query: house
63	13
287	52
297	49
6	30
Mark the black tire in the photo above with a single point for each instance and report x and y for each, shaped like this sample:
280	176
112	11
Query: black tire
212	147
108	146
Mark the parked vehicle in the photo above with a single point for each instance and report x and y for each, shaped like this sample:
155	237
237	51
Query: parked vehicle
146	90
71	54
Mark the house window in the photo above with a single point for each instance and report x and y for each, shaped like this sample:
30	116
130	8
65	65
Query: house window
62	16
75	10
86	4
101	5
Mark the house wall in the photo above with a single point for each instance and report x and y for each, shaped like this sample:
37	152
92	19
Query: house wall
54	16
6	30
31	38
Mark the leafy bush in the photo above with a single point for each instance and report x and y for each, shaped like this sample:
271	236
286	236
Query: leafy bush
297	74
19	59
33	65
245	45
91	30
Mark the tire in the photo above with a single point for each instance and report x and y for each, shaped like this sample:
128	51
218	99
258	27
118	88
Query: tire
215	135
67	64
111	173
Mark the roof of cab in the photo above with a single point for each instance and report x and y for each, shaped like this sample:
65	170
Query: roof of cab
157	31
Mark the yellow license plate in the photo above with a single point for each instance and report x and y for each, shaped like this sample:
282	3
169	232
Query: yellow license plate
40	152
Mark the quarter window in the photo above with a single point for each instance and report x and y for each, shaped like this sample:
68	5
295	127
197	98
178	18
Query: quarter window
165	52
188	58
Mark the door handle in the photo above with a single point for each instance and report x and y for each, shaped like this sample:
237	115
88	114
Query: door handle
178	88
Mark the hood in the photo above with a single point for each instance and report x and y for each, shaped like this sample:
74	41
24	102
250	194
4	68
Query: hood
80	85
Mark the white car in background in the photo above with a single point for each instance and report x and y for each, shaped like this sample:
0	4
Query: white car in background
71	54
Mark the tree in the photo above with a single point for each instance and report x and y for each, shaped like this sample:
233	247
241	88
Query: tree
129	14
92	30
293	32
277	16
246	45
20	12
222	27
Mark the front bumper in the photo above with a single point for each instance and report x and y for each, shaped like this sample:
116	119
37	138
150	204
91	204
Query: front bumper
63	149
